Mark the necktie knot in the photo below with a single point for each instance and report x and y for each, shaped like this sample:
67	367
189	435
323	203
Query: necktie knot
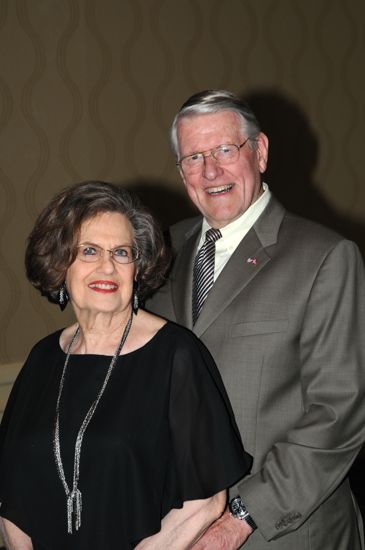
213	235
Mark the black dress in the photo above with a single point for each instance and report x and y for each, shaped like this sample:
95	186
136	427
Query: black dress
163	433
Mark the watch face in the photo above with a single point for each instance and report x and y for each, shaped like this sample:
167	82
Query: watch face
235	505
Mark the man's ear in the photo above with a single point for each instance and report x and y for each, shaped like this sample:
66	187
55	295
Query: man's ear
262	151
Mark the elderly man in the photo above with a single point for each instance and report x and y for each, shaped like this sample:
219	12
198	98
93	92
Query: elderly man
280	303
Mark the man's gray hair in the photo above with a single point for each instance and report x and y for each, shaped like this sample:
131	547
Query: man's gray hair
214	101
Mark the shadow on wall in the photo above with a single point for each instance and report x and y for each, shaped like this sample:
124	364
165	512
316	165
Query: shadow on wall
293	156
167	205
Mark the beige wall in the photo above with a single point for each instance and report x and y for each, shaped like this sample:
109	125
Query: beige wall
88	89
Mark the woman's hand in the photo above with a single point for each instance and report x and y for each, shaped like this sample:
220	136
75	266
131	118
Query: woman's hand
181	528
14	538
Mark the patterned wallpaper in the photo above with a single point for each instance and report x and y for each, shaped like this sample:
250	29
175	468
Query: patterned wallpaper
88	89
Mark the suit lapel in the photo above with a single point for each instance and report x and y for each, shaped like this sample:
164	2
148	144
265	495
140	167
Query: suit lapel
246	262
249	258
182	278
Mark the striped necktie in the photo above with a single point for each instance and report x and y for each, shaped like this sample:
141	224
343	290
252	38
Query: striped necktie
203	275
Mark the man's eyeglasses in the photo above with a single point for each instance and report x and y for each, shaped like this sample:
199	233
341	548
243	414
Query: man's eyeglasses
223	154
123	254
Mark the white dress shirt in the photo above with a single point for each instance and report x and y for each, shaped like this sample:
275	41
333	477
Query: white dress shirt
233	233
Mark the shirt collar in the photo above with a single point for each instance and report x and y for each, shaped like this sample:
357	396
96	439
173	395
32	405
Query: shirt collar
233	233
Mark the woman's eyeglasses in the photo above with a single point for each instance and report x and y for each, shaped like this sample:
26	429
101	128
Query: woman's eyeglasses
123	254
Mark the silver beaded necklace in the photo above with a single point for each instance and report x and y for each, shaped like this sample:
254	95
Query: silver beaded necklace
73	496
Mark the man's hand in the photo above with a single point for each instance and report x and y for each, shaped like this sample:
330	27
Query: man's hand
226	533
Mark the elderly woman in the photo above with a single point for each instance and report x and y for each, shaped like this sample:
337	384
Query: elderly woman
118	432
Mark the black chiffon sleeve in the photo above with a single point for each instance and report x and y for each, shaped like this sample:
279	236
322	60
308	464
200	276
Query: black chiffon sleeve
207	452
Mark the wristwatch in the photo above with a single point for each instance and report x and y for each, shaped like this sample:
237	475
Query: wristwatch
238	510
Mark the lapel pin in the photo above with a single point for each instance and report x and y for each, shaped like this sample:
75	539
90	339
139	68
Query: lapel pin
252	261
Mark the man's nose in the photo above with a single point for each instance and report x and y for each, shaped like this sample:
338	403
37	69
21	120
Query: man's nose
211	168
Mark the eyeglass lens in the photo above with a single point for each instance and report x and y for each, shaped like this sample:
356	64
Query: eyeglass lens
124	254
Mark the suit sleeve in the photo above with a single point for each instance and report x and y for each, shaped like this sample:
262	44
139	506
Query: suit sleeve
310	462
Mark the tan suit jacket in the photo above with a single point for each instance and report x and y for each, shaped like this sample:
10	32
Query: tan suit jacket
285	324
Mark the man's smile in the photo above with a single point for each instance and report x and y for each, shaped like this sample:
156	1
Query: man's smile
220	189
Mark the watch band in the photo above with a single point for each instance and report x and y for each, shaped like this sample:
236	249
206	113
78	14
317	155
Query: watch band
238	510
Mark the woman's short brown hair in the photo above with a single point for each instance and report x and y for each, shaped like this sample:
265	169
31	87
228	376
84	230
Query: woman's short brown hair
51	246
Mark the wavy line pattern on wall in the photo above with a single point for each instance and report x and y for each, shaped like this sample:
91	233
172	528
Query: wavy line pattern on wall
251	40
95	99
162	88
324	88
3	13
40	134
130	80
11	292
89	89
198	24
34	180
220	50
270	20
10	295
302	34
353	178
63	50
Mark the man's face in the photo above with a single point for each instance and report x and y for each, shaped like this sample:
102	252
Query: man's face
221	193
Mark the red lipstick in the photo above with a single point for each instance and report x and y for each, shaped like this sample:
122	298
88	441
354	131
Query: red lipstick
103	286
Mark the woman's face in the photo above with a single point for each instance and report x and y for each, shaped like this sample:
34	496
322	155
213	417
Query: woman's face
103	286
